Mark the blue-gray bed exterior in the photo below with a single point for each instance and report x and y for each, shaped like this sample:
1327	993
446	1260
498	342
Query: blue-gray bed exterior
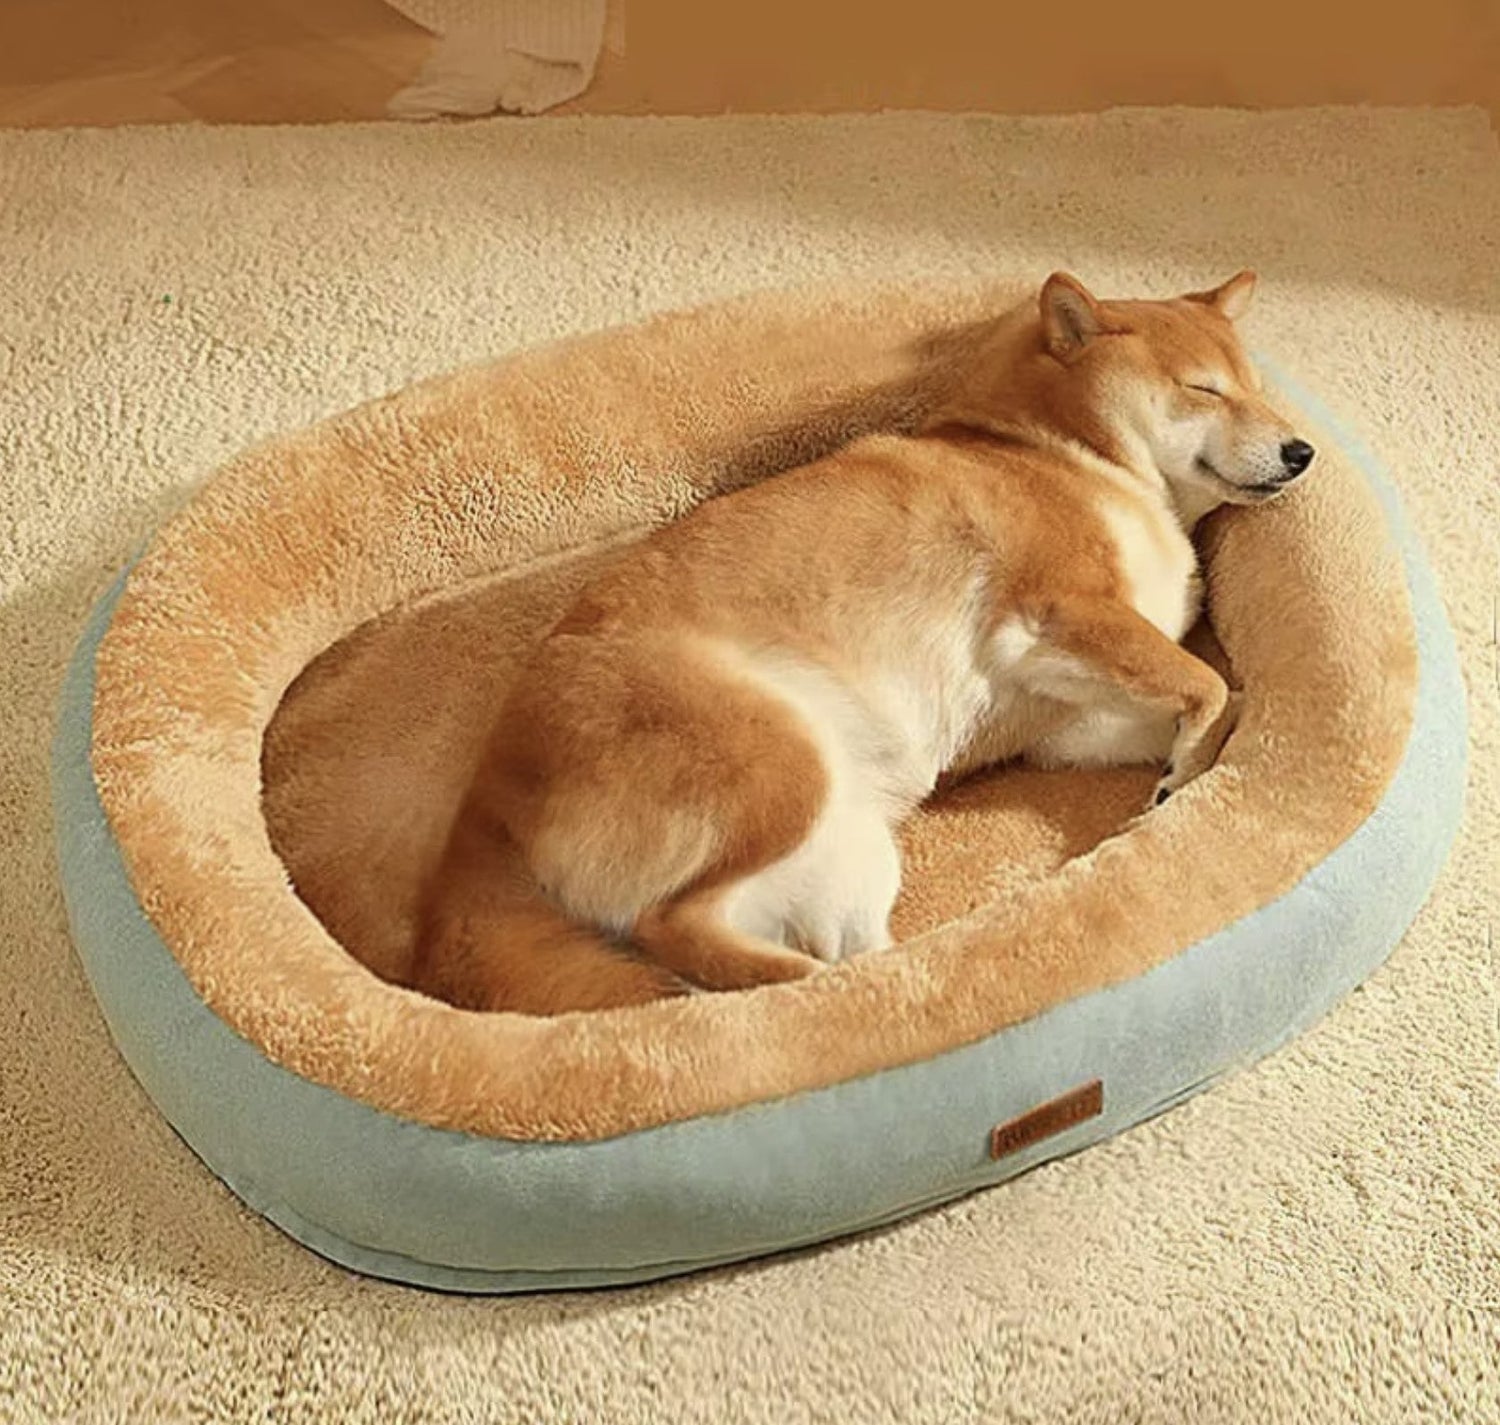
458	1212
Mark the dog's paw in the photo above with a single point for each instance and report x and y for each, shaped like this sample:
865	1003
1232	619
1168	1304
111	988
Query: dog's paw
1190	760
789	965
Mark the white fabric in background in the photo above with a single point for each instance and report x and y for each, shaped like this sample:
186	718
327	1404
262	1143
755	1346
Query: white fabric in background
521	56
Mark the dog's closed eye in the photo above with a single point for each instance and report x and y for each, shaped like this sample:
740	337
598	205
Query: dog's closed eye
1199	386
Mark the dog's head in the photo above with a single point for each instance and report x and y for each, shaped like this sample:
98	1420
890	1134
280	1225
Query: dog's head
1171	380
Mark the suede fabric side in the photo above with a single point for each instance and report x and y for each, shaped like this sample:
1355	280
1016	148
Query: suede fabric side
504	466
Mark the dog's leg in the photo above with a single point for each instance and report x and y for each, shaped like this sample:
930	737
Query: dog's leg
489	940
690	937
1194	758
832	897
1093	650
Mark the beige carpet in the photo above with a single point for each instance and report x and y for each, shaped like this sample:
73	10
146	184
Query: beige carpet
1317	1239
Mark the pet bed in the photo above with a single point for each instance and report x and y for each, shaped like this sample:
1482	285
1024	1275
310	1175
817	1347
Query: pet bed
270	718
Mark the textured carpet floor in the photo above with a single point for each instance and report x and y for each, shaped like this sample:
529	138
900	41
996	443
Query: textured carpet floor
1317	1239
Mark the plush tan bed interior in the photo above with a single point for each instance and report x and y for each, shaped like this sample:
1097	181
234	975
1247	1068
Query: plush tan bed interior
385	570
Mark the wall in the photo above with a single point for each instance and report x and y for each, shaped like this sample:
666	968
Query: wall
707	56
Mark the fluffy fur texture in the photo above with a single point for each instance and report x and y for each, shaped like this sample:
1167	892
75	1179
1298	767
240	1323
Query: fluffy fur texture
526	458
711	754
1312	1239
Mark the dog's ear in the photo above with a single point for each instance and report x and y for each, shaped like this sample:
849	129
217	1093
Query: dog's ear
1232	298
1070	316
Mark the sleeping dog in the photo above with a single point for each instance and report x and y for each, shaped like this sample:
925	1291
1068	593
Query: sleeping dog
696	779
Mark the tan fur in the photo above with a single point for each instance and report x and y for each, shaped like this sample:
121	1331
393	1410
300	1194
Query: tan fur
542	961
398	561
674	742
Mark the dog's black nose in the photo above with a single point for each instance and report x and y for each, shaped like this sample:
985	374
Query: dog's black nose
1296	455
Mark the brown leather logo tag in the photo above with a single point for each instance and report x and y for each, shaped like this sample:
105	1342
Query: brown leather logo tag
1076	1106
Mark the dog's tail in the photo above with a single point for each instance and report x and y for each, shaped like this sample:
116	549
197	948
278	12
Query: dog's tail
490	940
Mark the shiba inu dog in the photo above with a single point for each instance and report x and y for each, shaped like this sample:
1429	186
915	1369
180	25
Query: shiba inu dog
703	765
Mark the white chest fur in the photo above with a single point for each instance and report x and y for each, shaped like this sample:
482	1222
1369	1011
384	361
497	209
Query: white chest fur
1157	563
1047	705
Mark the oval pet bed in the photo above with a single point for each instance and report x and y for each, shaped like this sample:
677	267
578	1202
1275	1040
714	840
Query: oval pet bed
268	724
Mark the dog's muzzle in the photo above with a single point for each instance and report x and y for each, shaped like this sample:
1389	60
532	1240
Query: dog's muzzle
1296	456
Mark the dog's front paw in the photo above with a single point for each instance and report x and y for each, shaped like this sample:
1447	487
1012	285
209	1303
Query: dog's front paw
1192	758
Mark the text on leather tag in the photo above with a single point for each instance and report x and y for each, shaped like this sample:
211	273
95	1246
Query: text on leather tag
1076	1106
